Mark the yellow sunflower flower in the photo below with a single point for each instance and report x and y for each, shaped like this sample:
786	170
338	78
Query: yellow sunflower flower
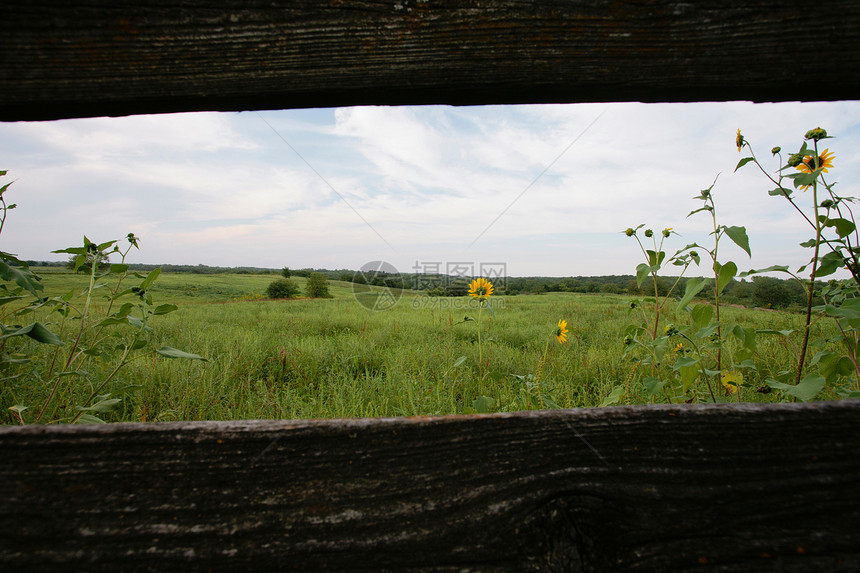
739	141
481	289
825	161
561	331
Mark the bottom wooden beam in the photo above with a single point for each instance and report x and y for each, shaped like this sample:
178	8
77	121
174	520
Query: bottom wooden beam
661	488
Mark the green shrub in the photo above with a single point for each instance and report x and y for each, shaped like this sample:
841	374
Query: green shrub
317	286
282	288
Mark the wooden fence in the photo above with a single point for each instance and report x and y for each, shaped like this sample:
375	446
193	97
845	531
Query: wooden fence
663	488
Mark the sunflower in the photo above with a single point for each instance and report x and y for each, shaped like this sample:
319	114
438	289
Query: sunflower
561	331
739	141
481	289
825	161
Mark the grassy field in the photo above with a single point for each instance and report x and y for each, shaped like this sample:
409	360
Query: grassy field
328	358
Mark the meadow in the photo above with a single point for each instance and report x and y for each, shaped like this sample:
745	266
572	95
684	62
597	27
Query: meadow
333	358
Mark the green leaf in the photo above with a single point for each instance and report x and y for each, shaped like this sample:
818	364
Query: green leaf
702	315
844	227
805	390
642	271
653	385
740	238
743	162
484	405
780	192
170	352
685	362
37	332
614	397
804	179
694	286
772	268
829	264
112	320
102	406
22	277
150	278
655	258
8	299
707	331
459	361
727	272
89	419
165	309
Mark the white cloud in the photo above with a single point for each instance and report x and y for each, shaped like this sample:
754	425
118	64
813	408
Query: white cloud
225	189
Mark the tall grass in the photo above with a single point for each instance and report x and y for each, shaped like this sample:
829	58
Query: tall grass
332	358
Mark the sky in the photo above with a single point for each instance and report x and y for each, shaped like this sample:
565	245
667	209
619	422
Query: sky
545	190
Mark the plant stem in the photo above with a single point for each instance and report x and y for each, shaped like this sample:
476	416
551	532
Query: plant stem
811	286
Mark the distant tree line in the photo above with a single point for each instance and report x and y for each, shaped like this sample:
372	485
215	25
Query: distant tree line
760	291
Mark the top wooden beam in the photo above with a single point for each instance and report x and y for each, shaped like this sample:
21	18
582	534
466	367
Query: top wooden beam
62	59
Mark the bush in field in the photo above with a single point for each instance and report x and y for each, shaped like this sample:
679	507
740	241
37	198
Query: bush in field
282	288
285	272
317	286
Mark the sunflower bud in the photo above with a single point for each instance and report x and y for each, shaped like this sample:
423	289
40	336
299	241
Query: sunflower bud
628	340
815	134
795	160
776	150
671	330
629	232
827	203
667	232
649	233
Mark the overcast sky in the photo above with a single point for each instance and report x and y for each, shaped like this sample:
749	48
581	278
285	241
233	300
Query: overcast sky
545	189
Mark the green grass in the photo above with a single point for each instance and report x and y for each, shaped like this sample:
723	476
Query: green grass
330	358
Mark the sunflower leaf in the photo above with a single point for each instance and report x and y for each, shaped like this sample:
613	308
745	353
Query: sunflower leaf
743	162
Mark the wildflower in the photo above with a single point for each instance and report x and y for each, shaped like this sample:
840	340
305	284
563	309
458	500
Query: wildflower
739	141
667	232
679	348
824	161
629	232
816	134
649	233
561	331
481	289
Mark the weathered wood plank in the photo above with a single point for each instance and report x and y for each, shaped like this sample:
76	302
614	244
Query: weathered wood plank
665	488
117	57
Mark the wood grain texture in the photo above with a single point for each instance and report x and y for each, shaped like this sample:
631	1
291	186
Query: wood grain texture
117	57
664	488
